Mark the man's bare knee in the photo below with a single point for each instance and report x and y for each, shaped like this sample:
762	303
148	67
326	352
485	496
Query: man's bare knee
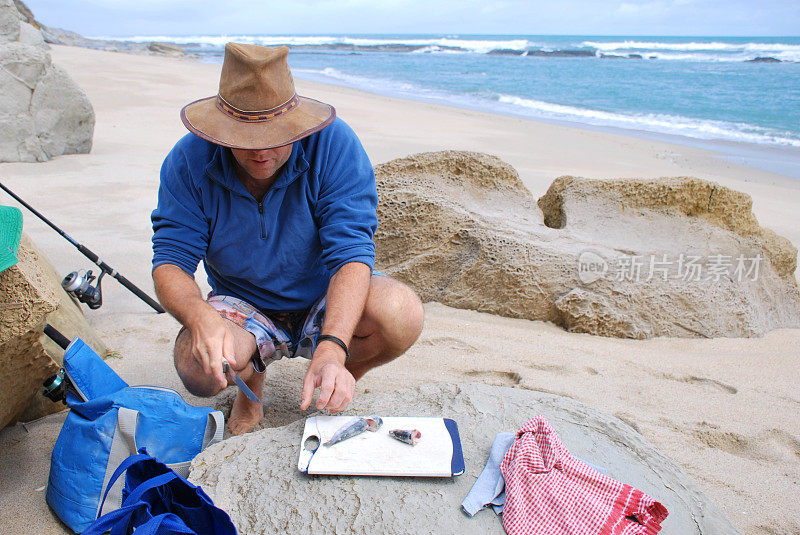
401	315
414	315
191	373
392	320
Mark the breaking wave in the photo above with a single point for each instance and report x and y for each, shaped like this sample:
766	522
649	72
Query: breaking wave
538	109
698	50
543	47
661	123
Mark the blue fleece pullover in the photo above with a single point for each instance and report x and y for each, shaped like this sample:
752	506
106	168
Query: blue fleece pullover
277	254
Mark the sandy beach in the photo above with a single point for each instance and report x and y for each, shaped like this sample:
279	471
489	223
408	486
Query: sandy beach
725	410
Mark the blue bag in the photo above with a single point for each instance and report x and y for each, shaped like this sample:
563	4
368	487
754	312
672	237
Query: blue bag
107	423
160	502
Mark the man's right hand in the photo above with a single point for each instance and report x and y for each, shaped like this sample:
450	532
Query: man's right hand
211	342
211	339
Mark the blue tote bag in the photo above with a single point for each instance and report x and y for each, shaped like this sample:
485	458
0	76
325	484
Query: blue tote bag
108	422
160	502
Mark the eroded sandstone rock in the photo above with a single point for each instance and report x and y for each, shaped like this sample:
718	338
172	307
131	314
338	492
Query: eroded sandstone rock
27	296
30	296
43	112
9	21
26	299
62	114
25	13
254	477
461	229
581	203
24	365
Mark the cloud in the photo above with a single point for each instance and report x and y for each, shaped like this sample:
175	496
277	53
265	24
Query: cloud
627	8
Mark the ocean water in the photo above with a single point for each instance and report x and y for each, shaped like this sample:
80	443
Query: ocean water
734	89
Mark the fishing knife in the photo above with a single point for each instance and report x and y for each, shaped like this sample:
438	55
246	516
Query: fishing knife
240	382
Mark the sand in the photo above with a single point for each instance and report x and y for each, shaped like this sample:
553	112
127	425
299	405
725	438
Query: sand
725	410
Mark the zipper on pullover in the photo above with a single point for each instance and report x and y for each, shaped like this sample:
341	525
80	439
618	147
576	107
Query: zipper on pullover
261	217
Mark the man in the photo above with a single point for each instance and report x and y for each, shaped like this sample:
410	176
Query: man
278	199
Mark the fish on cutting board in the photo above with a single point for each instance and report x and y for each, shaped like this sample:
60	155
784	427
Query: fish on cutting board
354	428
409	436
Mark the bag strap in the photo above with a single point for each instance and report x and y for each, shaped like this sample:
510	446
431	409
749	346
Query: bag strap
124	465
123	445
110	520
164	521
182	468
127	420
215	426
113	519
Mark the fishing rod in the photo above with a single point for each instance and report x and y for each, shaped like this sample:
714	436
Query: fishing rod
80	285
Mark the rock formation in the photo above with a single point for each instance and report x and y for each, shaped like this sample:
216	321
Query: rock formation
254	477
32	296
165	49
43	113
26	15
27	297
626	258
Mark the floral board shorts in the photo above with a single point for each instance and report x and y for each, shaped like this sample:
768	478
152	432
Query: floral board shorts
278	334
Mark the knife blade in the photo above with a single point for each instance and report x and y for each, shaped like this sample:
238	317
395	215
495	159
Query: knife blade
240	382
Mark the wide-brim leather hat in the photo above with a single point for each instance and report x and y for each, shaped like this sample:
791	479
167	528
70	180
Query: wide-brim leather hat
257	106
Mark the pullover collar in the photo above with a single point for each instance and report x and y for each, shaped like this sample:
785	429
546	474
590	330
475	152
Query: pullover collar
221	169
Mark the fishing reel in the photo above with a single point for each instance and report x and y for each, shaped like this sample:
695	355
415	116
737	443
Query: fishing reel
80	286
56	386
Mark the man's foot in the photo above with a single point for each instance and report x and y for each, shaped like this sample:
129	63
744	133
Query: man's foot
245	414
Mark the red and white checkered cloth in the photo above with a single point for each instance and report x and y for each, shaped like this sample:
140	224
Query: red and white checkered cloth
550	492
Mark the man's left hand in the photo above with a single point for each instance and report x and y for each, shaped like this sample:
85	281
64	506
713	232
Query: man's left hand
335	383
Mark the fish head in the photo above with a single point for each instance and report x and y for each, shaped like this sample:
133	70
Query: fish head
374	422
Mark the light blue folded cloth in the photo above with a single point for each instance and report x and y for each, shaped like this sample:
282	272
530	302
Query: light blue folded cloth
490	487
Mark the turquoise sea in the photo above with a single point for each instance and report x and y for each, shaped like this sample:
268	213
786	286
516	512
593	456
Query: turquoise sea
741	91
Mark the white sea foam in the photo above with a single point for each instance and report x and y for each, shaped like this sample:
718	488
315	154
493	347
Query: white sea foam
379	85
659	123
691	51
698	51
786	55
443	43
662	123
655	45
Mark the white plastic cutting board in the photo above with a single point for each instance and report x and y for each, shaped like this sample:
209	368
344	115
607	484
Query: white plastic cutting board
378	454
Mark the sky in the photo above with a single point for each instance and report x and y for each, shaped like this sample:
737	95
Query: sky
94	18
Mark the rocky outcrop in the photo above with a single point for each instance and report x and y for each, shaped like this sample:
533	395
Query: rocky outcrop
25	14
763	59
43	113
27	299
165	49
254	477
588	200
56	36
67	318
25	365
32	296
9	21
626	258
59	36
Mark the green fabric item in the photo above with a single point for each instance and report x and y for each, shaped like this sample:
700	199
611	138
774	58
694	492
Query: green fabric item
10	234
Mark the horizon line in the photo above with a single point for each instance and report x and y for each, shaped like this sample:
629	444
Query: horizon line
446	34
